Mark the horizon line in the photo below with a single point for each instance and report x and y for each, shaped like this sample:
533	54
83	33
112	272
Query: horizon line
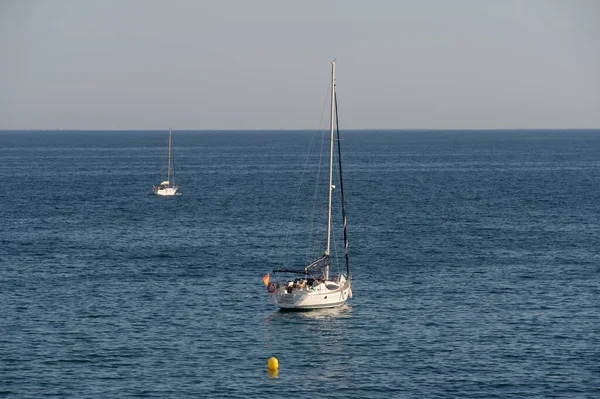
302	130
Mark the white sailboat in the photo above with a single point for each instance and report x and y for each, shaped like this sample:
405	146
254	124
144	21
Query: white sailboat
316	288
167	187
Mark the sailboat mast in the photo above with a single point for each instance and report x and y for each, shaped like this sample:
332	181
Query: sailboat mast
331	123
169	161
337	128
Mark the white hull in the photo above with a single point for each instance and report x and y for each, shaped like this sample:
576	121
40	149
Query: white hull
324	294
165	191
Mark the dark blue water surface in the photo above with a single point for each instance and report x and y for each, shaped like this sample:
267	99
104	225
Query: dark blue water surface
475	258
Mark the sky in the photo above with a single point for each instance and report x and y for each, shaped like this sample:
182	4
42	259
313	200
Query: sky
265	64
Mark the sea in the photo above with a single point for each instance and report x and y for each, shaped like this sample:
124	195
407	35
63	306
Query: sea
474	255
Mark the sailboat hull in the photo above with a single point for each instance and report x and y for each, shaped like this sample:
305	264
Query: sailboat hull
165	191
309	298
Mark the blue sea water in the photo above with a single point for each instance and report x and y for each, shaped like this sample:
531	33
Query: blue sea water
475	258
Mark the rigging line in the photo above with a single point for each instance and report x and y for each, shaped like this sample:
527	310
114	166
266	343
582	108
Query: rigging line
313	242
293	212
163	165
337	125
172	164
335	258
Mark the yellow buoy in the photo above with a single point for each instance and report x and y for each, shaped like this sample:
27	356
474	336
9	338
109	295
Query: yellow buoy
273	363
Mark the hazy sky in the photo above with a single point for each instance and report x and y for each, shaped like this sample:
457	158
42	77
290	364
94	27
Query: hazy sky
254	64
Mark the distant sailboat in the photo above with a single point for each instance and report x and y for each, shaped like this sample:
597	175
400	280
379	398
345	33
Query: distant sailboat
168	187
316	288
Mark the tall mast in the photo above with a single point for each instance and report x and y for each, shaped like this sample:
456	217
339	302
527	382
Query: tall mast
169	161
337	127
331	123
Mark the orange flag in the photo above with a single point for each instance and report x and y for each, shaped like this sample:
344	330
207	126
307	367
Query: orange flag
266	279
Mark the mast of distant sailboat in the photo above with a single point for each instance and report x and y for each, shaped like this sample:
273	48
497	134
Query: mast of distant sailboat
169	161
